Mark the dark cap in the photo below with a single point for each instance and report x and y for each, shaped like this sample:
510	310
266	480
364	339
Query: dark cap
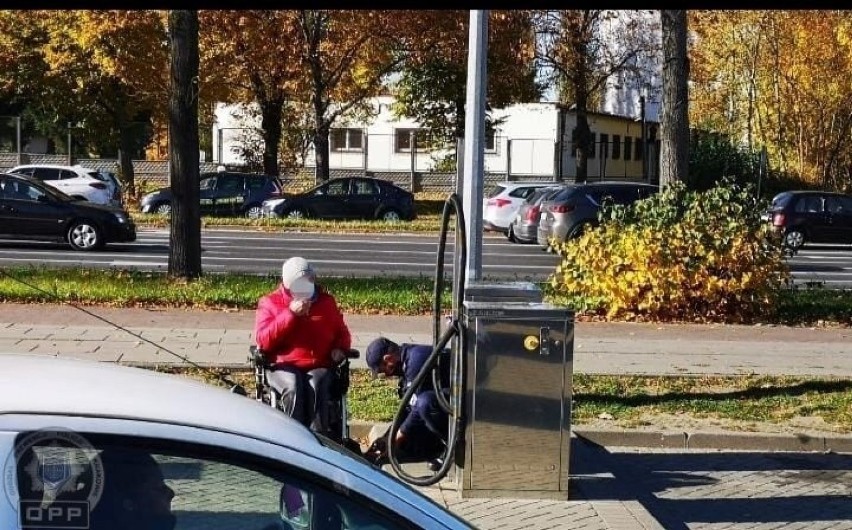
376	350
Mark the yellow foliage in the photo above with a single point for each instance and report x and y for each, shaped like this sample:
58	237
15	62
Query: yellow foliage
692	268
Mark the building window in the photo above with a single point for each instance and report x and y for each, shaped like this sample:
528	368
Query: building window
628	147
402	140
616	147
347	140
604	145
637	153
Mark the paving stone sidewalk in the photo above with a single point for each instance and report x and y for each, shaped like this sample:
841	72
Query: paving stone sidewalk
613	486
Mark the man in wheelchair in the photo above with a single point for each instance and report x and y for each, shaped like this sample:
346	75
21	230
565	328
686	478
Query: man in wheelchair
301	336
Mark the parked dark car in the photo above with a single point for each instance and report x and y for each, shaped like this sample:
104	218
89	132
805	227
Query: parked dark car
523	228
222	194
346	198
801	217
570	212
30	209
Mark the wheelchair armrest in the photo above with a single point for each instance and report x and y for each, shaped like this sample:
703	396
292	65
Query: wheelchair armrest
352	353
256	357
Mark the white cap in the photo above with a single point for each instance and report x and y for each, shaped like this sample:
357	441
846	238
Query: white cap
293	268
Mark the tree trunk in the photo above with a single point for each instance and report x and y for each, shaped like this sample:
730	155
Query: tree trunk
271	116
584	138
674	126
321	152
125	160
185	233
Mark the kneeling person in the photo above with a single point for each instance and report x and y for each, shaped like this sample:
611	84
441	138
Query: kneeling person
423	433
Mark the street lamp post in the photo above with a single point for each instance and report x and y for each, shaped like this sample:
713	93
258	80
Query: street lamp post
643	95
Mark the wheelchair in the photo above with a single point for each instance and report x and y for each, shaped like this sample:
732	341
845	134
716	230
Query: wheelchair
338	417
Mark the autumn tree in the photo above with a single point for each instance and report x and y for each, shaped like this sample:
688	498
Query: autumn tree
185	233
777	79
433	79
116	63
578	56
346	56
674	125
262	54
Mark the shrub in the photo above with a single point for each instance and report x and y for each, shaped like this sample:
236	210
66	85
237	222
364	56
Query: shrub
679	255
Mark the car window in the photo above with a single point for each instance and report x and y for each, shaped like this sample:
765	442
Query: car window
207	184
364	187
15	189
781	200
256	183
521	193
64	174
495	191
99	176
838	205
45	173
563	194
230	184
24	171
337	187
809	204
165	485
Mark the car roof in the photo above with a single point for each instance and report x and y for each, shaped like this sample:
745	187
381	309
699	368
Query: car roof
32	383
519	184
813	192
55	166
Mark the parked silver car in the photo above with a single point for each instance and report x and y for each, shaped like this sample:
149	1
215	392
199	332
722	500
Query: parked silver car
574	209
524	227
501	204
96	445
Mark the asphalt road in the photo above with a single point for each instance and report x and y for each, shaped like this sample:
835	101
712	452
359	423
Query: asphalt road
360	255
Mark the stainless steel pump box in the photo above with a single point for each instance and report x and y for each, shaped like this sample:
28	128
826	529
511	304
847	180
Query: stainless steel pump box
479	291
518	400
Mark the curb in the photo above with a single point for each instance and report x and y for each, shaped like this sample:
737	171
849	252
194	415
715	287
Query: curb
736	441
751	441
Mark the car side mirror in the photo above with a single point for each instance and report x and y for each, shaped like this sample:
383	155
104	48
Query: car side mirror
43	198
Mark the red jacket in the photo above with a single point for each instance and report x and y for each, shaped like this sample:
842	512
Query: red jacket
301	341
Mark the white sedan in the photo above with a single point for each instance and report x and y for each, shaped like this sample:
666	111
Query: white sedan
105	447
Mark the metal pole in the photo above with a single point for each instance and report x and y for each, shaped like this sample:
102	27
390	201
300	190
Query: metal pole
644	139
459	177
18	137
412	139
475	140
366	142
69	143
509	159
220	149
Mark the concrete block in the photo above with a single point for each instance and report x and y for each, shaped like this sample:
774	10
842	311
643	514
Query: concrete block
755	441
627	438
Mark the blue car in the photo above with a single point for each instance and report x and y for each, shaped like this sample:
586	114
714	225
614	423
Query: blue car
222	194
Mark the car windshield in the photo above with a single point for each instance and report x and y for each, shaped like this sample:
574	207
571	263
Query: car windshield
495	191
51	192
98	175
781	200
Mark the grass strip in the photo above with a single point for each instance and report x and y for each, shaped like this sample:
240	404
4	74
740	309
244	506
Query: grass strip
634	401
385	295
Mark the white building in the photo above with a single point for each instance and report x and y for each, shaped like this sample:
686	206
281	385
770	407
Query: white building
529	140
639	29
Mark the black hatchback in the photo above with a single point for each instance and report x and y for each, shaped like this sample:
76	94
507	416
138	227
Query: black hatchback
32	210
801	217
346	198
222	194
